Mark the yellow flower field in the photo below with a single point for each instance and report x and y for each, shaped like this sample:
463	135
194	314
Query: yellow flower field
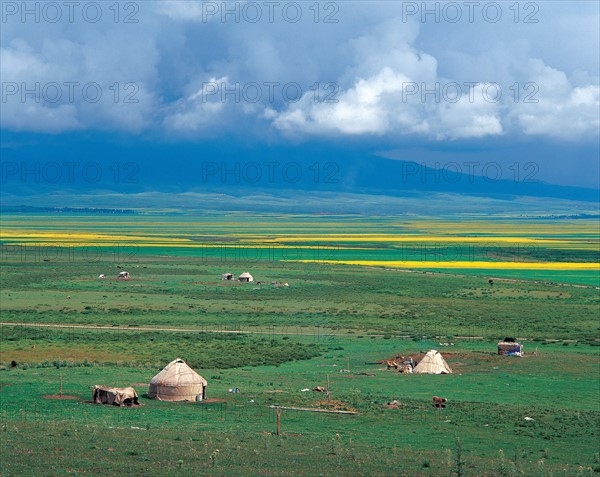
532	244
467	264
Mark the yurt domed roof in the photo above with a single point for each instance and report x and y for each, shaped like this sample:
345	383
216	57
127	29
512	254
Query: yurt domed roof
178	373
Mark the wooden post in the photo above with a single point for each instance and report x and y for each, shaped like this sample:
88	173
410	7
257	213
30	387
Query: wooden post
60	392
328	389
348	364
278	421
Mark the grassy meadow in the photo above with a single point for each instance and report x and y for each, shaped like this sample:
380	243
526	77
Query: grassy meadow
361	290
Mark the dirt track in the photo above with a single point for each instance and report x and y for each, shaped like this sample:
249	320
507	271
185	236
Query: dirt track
308	332
321	332
127	328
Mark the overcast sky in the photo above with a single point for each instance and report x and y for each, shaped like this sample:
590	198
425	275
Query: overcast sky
390	75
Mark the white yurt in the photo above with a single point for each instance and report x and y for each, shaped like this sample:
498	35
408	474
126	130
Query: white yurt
177	382
246	277
432	363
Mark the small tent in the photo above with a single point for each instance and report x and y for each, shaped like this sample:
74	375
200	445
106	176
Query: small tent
432	363
123	275
246	277
116	396
227	276
177	382
510	348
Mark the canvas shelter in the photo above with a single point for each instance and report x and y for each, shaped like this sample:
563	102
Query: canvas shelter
123	275
115	396
177	382
510	348
227	276
432	363
246	277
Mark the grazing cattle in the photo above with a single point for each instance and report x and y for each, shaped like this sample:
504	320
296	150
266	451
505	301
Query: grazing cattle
439	402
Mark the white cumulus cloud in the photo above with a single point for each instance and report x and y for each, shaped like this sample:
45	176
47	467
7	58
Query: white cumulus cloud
369	55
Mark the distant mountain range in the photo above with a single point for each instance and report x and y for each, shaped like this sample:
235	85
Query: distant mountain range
370	175
282	178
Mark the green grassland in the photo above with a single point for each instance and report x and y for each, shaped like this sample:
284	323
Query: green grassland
489	397
183	291
61	322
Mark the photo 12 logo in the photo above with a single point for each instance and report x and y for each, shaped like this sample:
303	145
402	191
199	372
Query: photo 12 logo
232	253
471	12
66	252
471	251
68	172
254	12
53	92
472	91
468	171
271	91
71	12
269	172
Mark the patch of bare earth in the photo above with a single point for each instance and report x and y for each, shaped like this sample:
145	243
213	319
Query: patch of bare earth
335	405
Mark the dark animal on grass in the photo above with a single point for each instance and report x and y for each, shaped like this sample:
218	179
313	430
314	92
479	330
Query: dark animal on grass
439	402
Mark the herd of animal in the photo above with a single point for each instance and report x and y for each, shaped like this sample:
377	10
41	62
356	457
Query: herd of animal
402	364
